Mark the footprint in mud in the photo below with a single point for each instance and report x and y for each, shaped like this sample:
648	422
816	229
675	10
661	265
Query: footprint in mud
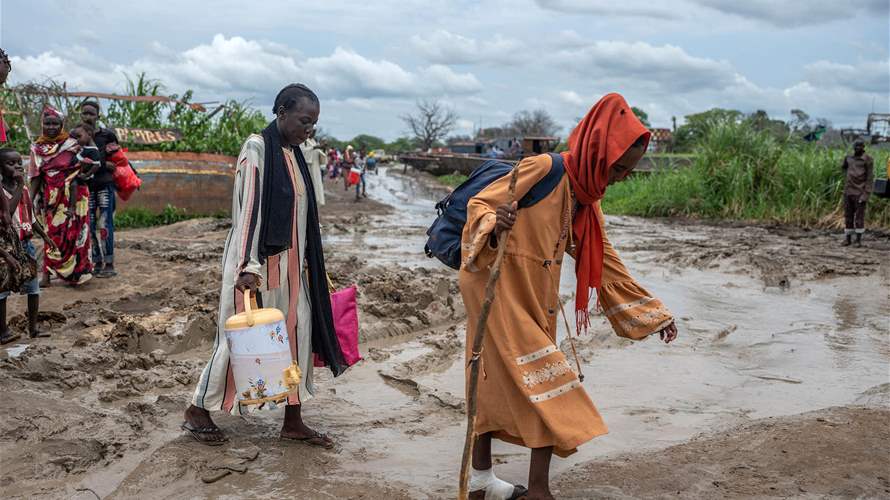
48	320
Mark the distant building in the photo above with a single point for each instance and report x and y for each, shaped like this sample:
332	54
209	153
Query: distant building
535	145
477	147
662	140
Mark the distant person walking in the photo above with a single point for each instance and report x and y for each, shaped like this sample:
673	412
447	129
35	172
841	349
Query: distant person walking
102	194
859	171
371	162
63	200
360	185
315	158
346	165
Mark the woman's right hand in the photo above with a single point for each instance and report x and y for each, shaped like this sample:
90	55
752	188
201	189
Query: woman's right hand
247	281
506	217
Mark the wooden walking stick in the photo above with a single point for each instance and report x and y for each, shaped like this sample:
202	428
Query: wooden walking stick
476	358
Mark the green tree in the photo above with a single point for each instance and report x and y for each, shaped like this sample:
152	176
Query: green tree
401	145
367	142
697	126
641	115
760	121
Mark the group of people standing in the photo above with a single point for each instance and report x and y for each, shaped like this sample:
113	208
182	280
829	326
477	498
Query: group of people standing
67	198
351	166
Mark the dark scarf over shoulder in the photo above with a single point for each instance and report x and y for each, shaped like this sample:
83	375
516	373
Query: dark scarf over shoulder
275	237
278	198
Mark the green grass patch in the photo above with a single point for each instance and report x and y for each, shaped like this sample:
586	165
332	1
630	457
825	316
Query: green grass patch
452	180
741	173
132	218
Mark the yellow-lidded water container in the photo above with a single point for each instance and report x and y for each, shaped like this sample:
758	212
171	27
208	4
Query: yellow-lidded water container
265	373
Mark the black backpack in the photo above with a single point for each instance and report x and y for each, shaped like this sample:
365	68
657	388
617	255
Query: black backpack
445	233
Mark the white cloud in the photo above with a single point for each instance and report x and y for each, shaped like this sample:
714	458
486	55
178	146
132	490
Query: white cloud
866	76
442	46
571	97
465	125
665	68
48	65
780	14
241	68
438	78
795	13
626	8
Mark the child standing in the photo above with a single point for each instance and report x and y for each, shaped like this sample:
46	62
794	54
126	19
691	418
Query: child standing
18	200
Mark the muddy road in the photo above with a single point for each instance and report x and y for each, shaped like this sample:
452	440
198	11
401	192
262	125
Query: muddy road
777	386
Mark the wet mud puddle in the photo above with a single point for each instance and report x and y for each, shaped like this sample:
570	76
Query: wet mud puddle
397	236
745	352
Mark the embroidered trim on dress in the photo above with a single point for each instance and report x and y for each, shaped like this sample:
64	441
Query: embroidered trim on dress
644	319
528	358
546	374
629	305
559	391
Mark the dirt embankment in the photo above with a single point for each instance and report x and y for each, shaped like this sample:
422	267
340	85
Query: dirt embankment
836	453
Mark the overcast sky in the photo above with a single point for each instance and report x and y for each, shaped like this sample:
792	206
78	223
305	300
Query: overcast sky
370	61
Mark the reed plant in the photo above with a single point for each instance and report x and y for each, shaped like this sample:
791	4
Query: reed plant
746	174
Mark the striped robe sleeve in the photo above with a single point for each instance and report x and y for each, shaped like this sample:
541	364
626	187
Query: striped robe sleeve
246	209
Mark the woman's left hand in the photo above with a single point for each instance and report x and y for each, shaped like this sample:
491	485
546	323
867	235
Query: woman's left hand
669	333
51	244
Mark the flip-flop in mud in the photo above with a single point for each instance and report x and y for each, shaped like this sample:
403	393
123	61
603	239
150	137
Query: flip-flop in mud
10	337
519	491
318	440
201	434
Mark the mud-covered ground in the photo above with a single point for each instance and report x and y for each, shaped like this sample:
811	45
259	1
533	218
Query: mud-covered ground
778	385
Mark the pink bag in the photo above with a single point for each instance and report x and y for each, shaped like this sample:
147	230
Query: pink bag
344	309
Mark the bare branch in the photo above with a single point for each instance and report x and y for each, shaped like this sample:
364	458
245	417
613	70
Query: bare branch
430	123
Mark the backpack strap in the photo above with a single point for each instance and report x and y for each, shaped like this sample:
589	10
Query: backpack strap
546	185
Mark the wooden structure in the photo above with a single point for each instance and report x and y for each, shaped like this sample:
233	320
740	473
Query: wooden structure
197	182
445	164
535	145
147	136
477	147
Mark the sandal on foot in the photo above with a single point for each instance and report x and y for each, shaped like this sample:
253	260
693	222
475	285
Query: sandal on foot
319	440
41	335
9	337
519	491
202	434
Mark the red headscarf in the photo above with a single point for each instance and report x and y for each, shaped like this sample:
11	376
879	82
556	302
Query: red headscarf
608	130
49	146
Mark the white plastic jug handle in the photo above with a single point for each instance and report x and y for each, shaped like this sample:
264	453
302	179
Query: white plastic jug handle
247	311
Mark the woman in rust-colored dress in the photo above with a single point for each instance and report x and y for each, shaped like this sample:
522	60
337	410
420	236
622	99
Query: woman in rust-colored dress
530	394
